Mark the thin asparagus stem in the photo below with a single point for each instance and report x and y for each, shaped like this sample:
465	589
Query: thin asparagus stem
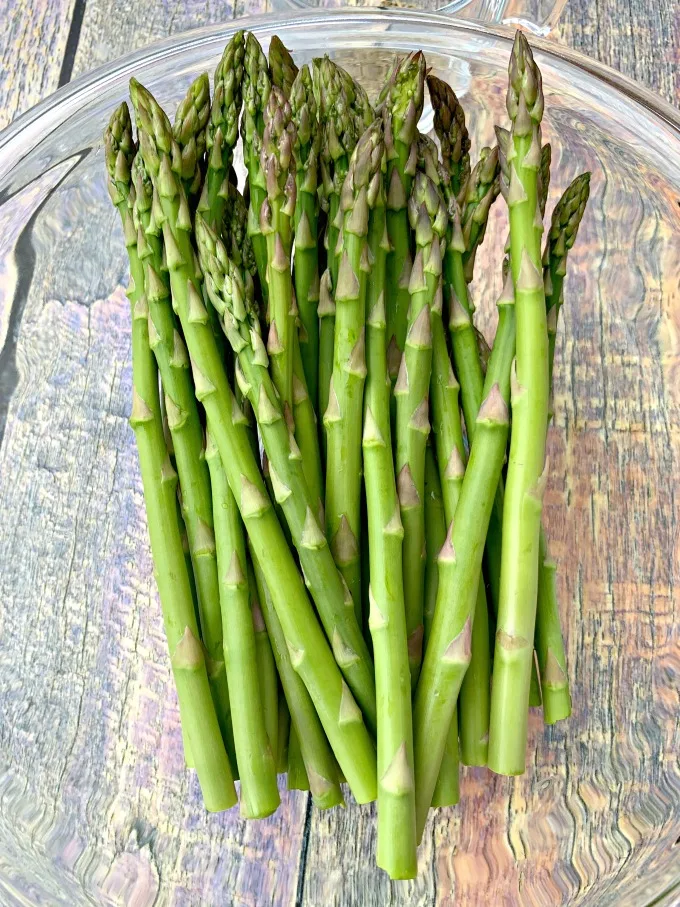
447	790
344	115
527	474
256	89
343	416
314	661
221	133
396	796
428	219
402	109
254	754
307	147
266	669
159	479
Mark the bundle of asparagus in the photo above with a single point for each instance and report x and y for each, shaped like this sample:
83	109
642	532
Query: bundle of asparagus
290	354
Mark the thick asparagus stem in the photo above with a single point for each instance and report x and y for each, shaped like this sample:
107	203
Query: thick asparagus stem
548	641
401	112
281	66
344	115
343	416
307	145
159	479
428	219
316	753
254	755
313	659
233	299
186	432
530	400
449	124
221	133
256	90
396	795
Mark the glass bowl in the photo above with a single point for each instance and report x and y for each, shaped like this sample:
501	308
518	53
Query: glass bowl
95	804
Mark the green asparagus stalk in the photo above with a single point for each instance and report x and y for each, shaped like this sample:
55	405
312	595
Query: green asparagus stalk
447	790
221	133
402	110
479	192
276	223
317	757
254	756
284	735
343	416
396	795
159	479
186	433
233	299
281	66
477	196
548	641
530	400
298	779
449	124
313	659
428	219
189	131
266	668
344	114
307	146
256	90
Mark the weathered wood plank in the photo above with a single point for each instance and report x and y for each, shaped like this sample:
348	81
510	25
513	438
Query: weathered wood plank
32	43
639	38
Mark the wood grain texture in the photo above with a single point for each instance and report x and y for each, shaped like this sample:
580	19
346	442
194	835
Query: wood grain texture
599	801
33	39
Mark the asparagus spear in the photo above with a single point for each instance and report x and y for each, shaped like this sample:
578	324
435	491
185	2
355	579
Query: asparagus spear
449	124
256	90
343	417
447	790
479	192
402	110
276	223
186	433
189	132
428	219
396	795
233	299
159	479
530	395
221	131
312	658
344	115
549	644
257	770
307	146
477	196
316	754
281	66
266	668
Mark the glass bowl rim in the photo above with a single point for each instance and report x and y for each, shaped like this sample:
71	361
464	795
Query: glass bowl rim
34	125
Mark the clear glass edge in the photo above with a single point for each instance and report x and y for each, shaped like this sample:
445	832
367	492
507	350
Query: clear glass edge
35	124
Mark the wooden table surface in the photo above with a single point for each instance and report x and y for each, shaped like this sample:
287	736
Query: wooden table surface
44	44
